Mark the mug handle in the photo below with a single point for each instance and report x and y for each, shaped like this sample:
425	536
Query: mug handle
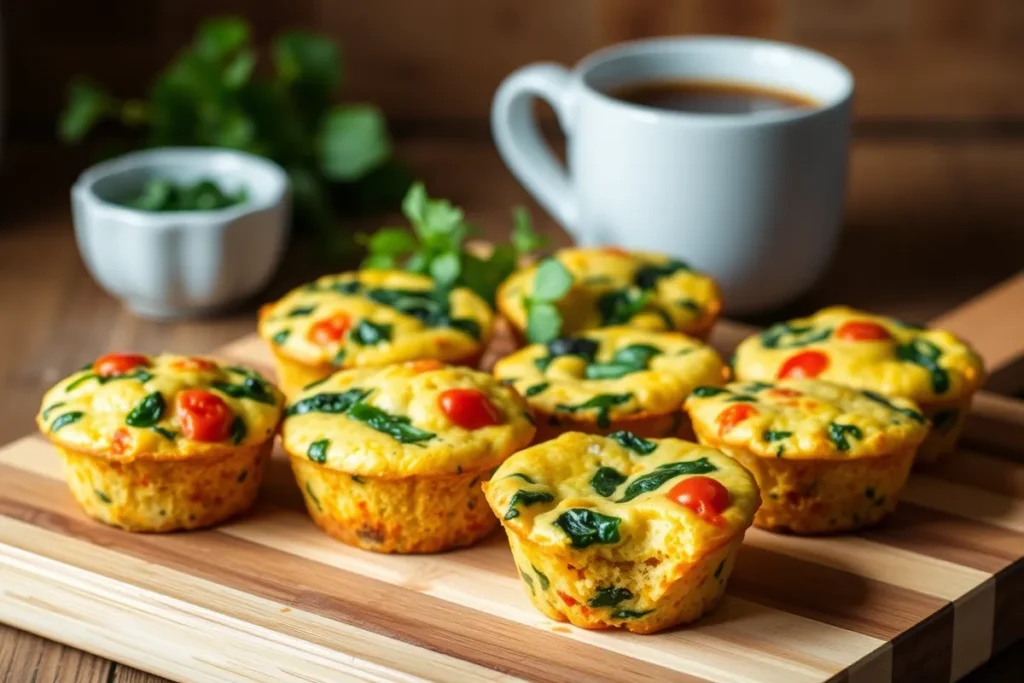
520	143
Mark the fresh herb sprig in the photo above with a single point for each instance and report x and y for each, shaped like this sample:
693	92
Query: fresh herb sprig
551	282
336	156
435	245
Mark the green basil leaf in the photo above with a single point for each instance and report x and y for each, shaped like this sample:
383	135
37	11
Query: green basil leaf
656	478
251	388
551	281
330	403
147	412
318	451
610	596
446	269
633	442
238	430
536	389
708	392
840	434
367	333
526	499
585	527
64	420
398	427
543	322
882	400
606	480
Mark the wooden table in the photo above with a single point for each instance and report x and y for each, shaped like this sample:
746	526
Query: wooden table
932	220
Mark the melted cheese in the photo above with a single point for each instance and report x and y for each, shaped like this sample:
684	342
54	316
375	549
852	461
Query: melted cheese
682	300
680	364
806	419
404	392
287	322
104	404
876	365
650	525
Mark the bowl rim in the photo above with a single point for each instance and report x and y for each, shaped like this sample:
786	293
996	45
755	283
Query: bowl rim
84	186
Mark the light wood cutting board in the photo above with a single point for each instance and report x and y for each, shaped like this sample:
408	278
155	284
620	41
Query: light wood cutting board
928	596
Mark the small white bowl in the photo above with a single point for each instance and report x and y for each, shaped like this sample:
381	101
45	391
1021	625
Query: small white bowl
182	263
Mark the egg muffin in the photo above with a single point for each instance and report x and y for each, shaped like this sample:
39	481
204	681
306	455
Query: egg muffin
371	318
826	457
616	287
933	368
622	531
160	443
611	379
391	459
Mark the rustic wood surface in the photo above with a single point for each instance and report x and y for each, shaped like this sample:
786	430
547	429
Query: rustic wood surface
931	222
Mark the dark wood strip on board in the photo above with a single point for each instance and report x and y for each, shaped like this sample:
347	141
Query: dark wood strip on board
949	537
372	605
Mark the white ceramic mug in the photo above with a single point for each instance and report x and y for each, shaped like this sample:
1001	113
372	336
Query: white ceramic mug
754	199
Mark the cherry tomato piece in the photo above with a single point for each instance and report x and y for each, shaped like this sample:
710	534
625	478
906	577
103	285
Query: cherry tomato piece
704	495
330	330
121	443
732	416
194	364
804	365
114	364
204	416
862	330
469	408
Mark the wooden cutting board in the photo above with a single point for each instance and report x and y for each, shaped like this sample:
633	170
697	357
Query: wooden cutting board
928	596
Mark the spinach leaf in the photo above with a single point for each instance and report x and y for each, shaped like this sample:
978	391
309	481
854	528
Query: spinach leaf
610	596
648	276
527	579
773	436
64	420
629	359
250	388
102	496
882	400
618	307
281	337
147	412
755	387
536	389
739	398
708	392
398	427
166	433
527	498
74	384
300	311
238	430
49	409
840	434
926	354
630	614
573	346
430	306
520	475
585	527
602	403
542	578
790	336
316	383
654	479
367	333
633	442
318	451
606	480
690	305
331	403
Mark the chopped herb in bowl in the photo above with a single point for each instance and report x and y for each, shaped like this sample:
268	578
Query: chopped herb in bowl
159	194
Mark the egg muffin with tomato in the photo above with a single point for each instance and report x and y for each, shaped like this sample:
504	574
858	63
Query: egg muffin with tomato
611	379
160	443
372	318
826	457
611	286
933	368
622	531
391	459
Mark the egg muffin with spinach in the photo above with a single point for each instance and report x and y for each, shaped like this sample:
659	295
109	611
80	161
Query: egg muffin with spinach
372	318
611	286
611	379
826	457
391	459
159	443
933	368
622	531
